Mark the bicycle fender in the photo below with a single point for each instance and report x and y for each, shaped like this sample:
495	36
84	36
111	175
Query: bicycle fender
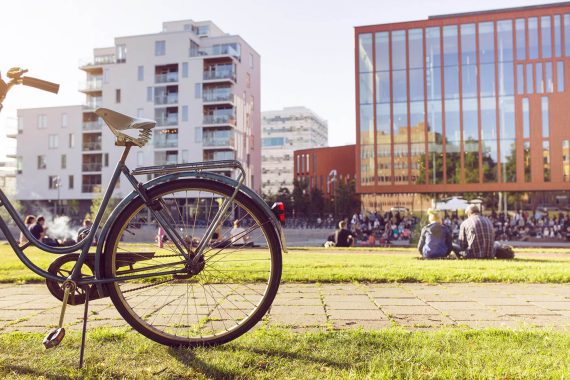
172	177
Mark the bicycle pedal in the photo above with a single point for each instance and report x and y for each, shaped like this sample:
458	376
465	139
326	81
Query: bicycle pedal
54	338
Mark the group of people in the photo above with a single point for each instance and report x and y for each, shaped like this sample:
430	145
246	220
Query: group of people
476	237
38	229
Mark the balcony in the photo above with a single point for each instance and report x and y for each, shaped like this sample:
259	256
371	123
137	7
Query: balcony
215	51
168	120
170	143
219	155
218	142
91	188
93	103
220	75
166	99
91	145
166	77
218	96
91	86
92	167
219	120
92	125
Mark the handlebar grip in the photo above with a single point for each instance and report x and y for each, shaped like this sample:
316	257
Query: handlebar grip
41	84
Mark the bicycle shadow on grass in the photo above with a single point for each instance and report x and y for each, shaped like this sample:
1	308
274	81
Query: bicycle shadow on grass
187	357
27	371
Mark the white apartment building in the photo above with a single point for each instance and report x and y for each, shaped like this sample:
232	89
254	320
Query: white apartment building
201	85
283	132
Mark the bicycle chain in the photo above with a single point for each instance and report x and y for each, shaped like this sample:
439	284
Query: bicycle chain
156	283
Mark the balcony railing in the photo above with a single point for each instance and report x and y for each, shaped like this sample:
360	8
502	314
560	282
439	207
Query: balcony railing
220	75
211	97
93	103
214	51
92	167
91	145
218	119
162	161
166	99
92	125
166	144
98	60
92	85
95	188
166	78
171	119
218	142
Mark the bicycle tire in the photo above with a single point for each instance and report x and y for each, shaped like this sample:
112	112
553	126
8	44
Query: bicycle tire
164	334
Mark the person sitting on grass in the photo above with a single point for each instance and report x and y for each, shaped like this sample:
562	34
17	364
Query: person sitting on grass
342	236
435	239
476	236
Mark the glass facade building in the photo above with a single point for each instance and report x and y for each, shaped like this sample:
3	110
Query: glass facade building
465	102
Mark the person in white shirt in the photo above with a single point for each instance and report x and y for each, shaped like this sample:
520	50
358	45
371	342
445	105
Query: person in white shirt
238	236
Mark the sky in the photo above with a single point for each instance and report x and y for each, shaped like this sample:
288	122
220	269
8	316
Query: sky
306	46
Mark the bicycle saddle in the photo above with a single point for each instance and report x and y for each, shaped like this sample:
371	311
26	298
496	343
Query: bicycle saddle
118	122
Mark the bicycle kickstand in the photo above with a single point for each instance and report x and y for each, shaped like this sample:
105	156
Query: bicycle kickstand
54	337
84	330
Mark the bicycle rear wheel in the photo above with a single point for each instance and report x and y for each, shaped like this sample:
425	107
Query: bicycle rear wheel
238	282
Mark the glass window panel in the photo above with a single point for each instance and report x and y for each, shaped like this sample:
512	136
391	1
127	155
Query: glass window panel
366	164
416	48
383	87
471	161
487	79
488	119
382	52
401	174
452	129
450	57
452	162
533	37
416	84
383	121
557	36
434	117
366	88
400	123
433	80
451	80
567	35
490	158
486	43
365	53
520	79
366	124
560	76
417	121
566	160
506	78
508	161
399	88
468	46
384	163
526	161
470	111
546	159
529	79
507	117
546	35
545	121
548	77
469	81
525	118
435	162
418	170
398	50
539	79
433	50
521	38
505	40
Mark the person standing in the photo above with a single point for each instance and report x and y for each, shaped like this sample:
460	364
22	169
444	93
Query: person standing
476	235
435	239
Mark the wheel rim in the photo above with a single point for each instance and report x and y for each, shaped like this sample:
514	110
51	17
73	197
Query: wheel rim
226	296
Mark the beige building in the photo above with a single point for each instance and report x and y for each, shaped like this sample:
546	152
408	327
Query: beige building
283	132
200	84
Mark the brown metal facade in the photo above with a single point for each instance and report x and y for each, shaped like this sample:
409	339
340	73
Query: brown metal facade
464	103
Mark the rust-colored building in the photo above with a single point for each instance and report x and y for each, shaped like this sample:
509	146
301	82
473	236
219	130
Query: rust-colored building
323	168
473	102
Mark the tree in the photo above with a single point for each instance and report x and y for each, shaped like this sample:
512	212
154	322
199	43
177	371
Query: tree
300	197
346	199
96	204
316	203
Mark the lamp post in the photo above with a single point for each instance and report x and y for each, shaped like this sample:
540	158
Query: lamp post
332	180
58	186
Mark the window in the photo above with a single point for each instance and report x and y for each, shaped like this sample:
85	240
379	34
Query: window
64	120
63	161
140	158
20	124
106	159
53	141
70	182
184	69
184	156
548	74
526	118
140	73
140	112
42	121
198	90
546	159
106	76
250	61
53	182
71	140
198	134
539	79
42	162
546	35
545	121
560	76
566	160
184	113
149	94
121	53
521	38
159	48
118	95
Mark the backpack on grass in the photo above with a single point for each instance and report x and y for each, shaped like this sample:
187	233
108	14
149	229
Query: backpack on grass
503	251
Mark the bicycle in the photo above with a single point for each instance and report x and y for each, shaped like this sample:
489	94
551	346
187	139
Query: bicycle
203	284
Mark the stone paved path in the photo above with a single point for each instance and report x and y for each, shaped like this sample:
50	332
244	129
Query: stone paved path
339	306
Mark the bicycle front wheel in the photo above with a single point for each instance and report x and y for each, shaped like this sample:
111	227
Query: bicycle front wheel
239	277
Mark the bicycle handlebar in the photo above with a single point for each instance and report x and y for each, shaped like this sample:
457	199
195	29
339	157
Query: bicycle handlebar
40	84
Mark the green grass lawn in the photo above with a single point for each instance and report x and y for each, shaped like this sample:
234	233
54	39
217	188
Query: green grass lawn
281	354
369	265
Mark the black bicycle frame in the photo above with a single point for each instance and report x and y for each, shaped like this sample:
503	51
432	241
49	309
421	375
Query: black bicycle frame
85	244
